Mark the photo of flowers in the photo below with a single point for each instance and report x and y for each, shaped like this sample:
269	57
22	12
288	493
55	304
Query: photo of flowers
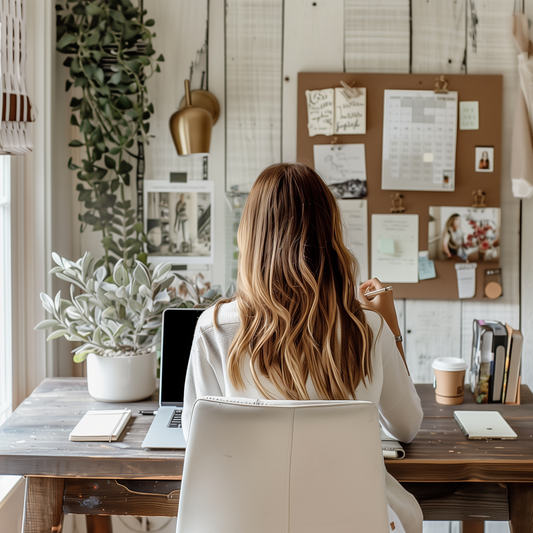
464	233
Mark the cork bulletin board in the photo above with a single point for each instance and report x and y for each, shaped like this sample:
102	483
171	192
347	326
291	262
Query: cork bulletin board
485	89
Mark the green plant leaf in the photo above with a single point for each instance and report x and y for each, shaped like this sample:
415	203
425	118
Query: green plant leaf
110	162
160	58
66	40
75	143
45	324
80	357
57	333
124	167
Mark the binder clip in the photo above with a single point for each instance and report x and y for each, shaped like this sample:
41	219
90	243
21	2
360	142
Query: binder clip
441	85
479	198
397	203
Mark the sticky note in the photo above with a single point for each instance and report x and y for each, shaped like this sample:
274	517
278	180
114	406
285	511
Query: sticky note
468	115
428	158
386	246
426	269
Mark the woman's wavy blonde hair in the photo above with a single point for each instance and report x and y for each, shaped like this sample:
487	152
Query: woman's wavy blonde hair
296	296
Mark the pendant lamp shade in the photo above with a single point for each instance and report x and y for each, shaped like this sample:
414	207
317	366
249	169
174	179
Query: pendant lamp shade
191	125
16	111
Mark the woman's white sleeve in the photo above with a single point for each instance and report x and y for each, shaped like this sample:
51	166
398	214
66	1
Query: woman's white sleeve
201	380
399	405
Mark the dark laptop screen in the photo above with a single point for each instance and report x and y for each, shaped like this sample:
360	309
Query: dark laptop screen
178	333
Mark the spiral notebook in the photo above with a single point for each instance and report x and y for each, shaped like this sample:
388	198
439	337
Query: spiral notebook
101	425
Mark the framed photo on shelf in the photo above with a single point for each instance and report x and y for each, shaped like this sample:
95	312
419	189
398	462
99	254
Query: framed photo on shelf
178	221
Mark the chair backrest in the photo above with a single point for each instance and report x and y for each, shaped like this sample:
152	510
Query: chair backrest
266	466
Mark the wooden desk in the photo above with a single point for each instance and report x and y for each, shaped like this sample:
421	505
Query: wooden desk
453	478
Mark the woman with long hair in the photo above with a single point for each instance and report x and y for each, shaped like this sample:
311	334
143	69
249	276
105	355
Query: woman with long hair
295	328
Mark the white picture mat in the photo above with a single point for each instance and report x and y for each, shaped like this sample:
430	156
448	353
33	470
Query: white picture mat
195	195
354	215
484	159
419	141
402	265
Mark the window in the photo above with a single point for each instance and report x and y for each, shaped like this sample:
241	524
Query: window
5	290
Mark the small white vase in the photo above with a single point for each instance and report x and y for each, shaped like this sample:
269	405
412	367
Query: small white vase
121	379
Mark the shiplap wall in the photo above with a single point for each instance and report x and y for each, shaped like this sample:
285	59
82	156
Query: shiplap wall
257	47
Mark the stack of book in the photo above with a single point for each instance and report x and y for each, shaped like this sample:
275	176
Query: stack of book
495	364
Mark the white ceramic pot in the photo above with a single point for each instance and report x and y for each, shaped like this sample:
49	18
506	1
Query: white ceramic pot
121	379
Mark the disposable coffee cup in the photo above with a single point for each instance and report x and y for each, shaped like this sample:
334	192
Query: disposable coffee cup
449	381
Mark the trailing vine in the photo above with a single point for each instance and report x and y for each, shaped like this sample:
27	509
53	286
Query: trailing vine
110	56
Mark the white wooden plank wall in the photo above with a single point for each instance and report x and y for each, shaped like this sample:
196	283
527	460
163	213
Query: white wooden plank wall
491	51
377	36
181	32
313	42
438	39
254	38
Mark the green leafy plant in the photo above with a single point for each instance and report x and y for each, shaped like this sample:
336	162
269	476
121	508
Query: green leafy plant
110	56
118	317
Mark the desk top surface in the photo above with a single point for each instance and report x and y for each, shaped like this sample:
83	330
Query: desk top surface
34	441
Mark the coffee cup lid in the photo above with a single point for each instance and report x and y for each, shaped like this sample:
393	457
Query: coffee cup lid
449	364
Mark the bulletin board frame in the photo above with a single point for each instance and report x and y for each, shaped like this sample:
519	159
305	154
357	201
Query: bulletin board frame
485	89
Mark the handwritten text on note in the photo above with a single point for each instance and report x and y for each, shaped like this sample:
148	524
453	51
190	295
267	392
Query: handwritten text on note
350	112
320	112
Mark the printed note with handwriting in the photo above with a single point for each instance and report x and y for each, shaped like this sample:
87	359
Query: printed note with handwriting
320	112
343	168
350	112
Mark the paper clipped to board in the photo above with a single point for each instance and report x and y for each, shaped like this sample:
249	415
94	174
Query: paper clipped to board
354	219
336	112
466	279
419	141
350	112
320	112
343	168
395	262
101	425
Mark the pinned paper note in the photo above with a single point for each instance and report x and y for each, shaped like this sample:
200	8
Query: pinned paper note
342	167
426	267
466	279
402	265
350	112
320	112
355	222
468	115
386	246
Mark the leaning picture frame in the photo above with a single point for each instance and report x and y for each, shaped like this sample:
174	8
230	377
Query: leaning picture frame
178	221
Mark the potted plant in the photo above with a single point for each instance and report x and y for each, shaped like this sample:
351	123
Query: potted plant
116	320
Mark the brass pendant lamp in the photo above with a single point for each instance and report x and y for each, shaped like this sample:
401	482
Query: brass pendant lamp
191	125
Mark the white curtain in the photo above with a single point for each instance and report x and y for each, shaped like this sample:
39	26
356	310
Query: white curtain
16	112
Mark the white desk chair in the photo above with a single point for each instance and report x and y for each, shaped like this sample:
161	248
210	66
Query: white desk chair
264	466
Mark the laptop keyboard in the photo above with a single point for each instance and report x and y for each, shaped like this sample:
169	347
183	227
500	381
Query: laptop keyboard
175	421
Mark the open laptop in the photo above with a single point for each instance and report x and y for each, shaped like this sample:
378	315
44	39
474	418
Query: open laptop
176	341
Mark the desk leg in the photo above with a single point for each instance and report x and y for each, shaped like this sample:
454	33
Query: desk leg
99	524
521	507
473	527
43	505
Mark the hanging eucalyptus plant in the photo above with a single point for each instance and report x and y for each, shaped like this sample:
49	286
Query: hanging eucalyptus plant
110	56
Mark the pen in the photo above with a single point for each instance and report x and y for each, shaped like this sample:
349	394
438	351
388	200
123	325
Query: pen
379	291
147	412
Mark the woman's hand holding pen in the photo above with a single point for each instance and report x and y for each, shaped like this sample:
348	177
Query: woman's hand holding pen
383	303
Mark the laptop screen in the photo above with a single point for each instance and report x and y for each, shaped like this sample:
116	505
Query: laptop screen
177	336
